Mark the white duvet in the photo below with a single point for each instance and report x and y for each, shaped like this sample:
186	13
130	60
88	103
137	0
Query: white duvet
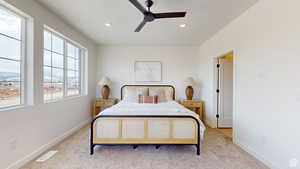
171	108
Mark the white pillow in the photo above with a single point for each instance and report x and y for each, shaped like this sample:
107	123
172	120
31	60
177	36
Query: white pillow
132	94
164	94
169	94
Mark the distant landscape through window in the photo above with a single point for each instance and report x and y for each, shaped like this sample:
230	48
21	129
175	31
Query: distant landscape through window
11	43
61	67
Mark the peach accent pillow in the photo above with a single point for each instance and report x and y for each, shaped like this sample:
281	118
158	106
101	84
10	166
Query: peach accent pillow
132	94
148	99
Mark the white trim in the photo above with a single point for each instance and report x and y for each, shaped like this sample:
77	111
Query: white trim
63	99
81	53
47	146
214	124
19	106
23	55
14	9
48	28
255	154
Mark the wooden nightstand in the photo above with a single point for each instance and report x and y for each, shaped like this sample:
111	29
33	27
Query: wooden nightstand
195	105
101	103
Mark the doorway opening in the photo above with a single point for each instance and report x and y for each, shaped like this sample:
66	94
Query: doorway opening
224	93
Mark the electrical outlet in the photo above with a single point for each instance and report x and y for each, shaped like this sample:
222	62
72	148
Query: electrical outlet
293	163
13	144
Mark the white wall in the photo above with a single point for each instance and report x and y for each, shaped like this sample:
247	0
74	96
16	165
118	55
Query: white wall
117	62
35	126
266	41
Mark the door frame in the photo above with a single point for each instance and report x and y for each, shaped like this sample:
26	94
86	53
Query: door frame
215	87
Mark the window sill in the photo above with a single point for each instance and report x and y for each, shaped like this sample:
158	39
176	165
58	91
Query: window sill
64	99
11	108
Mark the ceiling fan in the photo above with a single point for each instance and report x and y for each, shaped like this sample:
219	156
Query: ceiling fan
149	16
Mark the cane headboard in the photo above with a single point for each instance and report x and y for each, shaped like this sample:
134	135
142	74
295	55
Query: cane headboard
147	86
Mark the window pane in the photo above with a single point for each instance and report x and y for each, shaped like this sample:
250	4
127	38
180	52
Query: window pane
57	60
57	75
60	63
10	94
47	91
57	91
10	48
57	44
71	63
77	65
73	83
9	70
77	77
77	53
47	40
10	24
73	77
73	91
71	50
47	74
10	83
47	58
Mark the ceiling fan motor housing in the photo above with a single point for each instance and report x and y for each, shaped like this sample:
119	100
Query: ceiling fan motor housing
149	3
149	17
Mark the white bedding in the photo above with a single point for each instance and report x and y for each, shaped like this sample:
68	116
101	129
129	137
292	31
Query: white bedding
171	108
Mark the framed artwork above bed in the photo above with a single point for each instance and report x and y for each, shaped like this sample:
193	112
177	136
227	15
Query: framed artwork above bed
148	71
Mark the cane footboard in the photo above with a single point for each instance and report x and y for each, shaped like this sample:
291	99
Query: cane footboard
137	130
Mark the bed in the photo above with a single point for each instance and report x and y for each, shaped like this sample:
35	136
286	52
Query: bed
131	123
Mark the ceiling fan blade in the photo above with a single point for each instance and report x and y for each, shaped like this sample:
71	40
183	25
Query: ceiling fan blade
138	6
169	15
140	27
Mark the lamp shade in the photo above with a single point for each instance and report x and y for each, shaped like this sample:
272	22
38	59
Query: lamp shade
105	81
189	82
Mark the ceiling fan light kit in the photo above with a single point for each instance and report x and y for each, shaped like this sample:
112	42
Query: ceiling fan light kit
150	16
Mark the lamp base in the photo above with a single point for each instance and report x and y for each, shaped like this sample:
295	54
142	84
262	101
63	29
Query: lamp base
105	92
189	91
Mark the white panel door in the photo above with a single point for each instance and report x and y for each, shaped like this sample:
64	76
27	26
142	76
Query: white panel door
226	93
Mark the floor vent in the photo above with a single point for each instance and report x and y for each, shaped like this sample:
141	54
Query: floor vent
46	156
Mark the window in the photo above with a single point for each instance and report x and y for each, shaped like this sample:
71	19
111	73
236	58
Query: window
62	67
12	57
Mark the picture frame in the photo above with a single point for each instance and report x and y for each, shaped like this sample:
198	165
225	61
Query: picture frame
148	71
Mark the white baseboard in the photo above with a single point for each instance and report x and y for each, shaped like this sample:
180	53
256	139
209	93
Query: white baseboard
47	146
249	150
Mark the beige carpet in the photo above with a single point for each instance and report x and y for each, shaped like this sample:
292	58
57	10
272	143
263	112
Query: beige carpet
226	132
217	152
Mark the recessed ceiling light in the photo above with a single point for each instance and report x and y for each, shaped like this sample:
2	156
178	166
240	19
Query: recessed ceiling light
182	25
107	24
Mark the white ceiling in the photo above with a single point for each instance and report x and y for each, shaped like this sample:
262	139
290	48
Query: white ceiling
204	18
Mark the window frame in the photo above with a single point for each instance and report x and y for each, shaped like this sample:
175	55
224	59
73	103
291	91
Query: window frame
23	58
81	58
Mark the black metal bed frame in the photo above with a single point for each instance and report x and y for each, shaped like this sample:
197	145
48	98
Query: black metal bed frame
92	145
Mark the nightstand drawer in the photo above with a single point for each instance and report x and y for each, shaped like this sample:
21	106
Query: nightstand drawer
191	103
108	102
99	104
194	105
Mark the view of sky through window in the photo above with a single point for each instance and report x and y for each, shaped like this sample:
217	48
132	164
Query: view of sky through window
10	58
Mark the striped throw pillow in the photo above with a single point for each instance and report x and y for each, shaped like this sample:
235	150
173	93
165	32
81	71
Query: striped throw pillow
148	99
